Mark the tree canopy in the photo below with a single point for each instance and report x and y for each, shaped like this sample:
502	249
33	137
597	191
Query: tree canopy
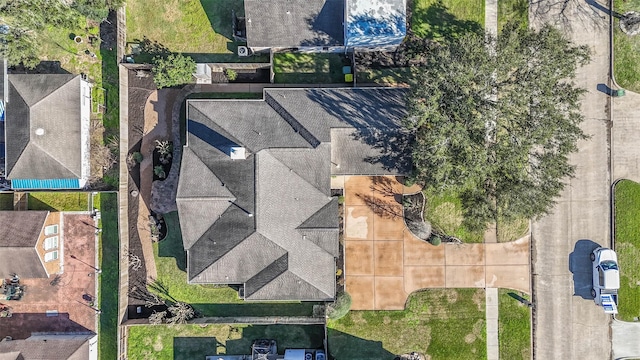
495	120
23	20
172	70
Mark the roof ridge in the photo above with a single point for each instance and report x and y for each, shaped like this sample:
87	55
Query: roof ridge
291	120
51	156
55	91
291	170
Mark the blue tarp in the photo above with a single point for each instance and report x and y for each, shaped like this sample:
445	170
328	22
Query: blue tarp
45	184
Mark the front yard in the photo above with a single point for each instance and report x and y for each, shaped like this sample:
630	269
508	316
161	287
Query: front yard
627	245
209	300
443	323
166	342
626	49
514	326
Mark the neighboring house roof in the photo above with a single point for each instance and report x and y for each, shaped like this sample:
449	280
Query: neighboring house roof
268	221
19	233
294	23
47	348
375	23
43	127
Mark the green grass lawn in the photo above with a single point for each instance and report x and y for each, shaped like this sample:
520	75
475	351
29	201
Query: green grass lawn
59	201
439	19
199	28
296	68
513	10
445	214
627	245
443	323
6	201
514	327
626	49
108	281
167	342
209	300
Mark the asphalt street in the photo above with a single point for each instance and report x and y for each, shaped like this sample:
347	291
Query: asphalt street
567	323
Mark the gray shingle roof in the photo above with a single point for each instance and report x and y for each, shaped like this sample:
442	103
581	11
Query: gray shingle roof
294	23
19	232
51	349
273	225
51	103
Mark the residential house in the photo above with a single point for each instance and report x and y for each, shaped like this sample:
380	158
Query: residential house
51	347
30	244
254	195
325	25
46	131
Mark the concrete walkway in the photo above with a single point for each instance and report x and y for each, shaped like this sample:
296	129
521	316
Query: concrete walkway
491	304
491	17
385	263
626	339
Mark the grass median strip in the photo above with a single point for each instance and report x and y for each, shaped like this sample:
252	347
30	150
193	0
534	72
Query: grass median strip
514	326
627	245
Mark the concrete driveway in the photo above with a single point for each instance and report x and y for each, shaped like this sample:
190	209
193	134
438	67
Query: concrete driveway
385	263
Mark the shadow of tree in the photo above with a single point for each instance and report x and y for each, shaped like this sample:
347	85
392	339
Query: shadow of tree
286	337
438	23
343	346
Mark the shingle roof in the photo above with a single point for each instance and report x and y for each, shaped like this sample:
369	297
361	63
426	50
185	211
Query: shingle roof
294	23
268	221
43	127
49	349
19	232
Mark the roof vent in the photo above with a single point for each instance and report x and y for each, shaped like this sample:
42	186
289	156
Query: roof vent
243	51
39	131
238	153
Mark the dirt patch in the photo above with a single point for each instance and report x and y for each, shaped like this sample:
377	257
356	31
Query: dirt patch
451	296
475	333
479	299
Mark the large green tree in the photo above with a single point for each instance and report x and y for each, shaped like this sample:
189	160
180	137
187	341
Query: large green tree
495	121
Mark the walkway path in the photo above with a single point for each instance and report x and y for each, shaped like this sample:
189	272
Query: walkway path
491	17
491	305
385	263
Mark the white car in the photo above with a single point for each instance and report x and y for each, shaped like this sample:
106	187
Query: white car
606	279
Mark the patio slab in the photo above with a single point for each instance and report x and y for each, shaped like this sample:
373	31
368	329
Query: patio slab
388	258
361	289
363	263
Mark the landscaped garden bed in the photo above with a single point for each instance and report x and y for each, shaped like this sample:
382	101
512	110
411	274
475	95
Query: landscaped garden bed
627	246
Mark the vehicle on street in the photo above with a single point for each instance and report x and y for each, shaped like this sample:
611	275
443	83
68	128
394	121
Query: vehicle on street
606	279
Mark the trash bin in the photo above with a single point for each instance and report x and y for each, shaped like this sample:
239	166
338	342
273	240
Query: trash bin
618	93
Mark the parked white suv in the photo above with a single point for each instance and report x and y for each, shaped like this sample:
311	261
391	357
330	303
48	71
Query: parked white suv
606	279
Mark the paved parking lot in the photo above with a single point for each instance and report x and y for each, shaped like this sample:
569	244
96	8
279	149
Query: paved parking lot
385	263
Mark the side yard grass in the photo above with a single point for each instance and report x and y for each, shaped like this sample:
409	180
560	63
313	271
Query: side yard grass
108	281
302	68
442	323
626	49
438	19
627	246
209	300
169	342
59	201
514	327
6	201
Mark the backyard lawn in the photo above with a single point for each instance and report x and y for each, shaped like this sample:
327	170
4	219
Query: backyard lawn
160	342
59	201
626	49
627	245
199	28
209	300
296	68
514	327
108	281
442	323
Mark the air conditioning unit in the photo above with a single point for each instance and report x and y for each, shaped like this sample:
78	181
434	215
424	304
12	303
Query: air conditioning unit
243	51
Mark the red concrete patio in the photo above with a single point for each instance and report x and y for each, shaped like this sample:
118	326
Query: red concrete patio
62	293
385	263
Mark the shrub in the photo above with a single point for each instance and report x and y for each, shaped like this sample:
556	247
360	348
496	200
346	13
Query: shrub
435	240
340	307
137	157
159	171
231	74
341	199
175	69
